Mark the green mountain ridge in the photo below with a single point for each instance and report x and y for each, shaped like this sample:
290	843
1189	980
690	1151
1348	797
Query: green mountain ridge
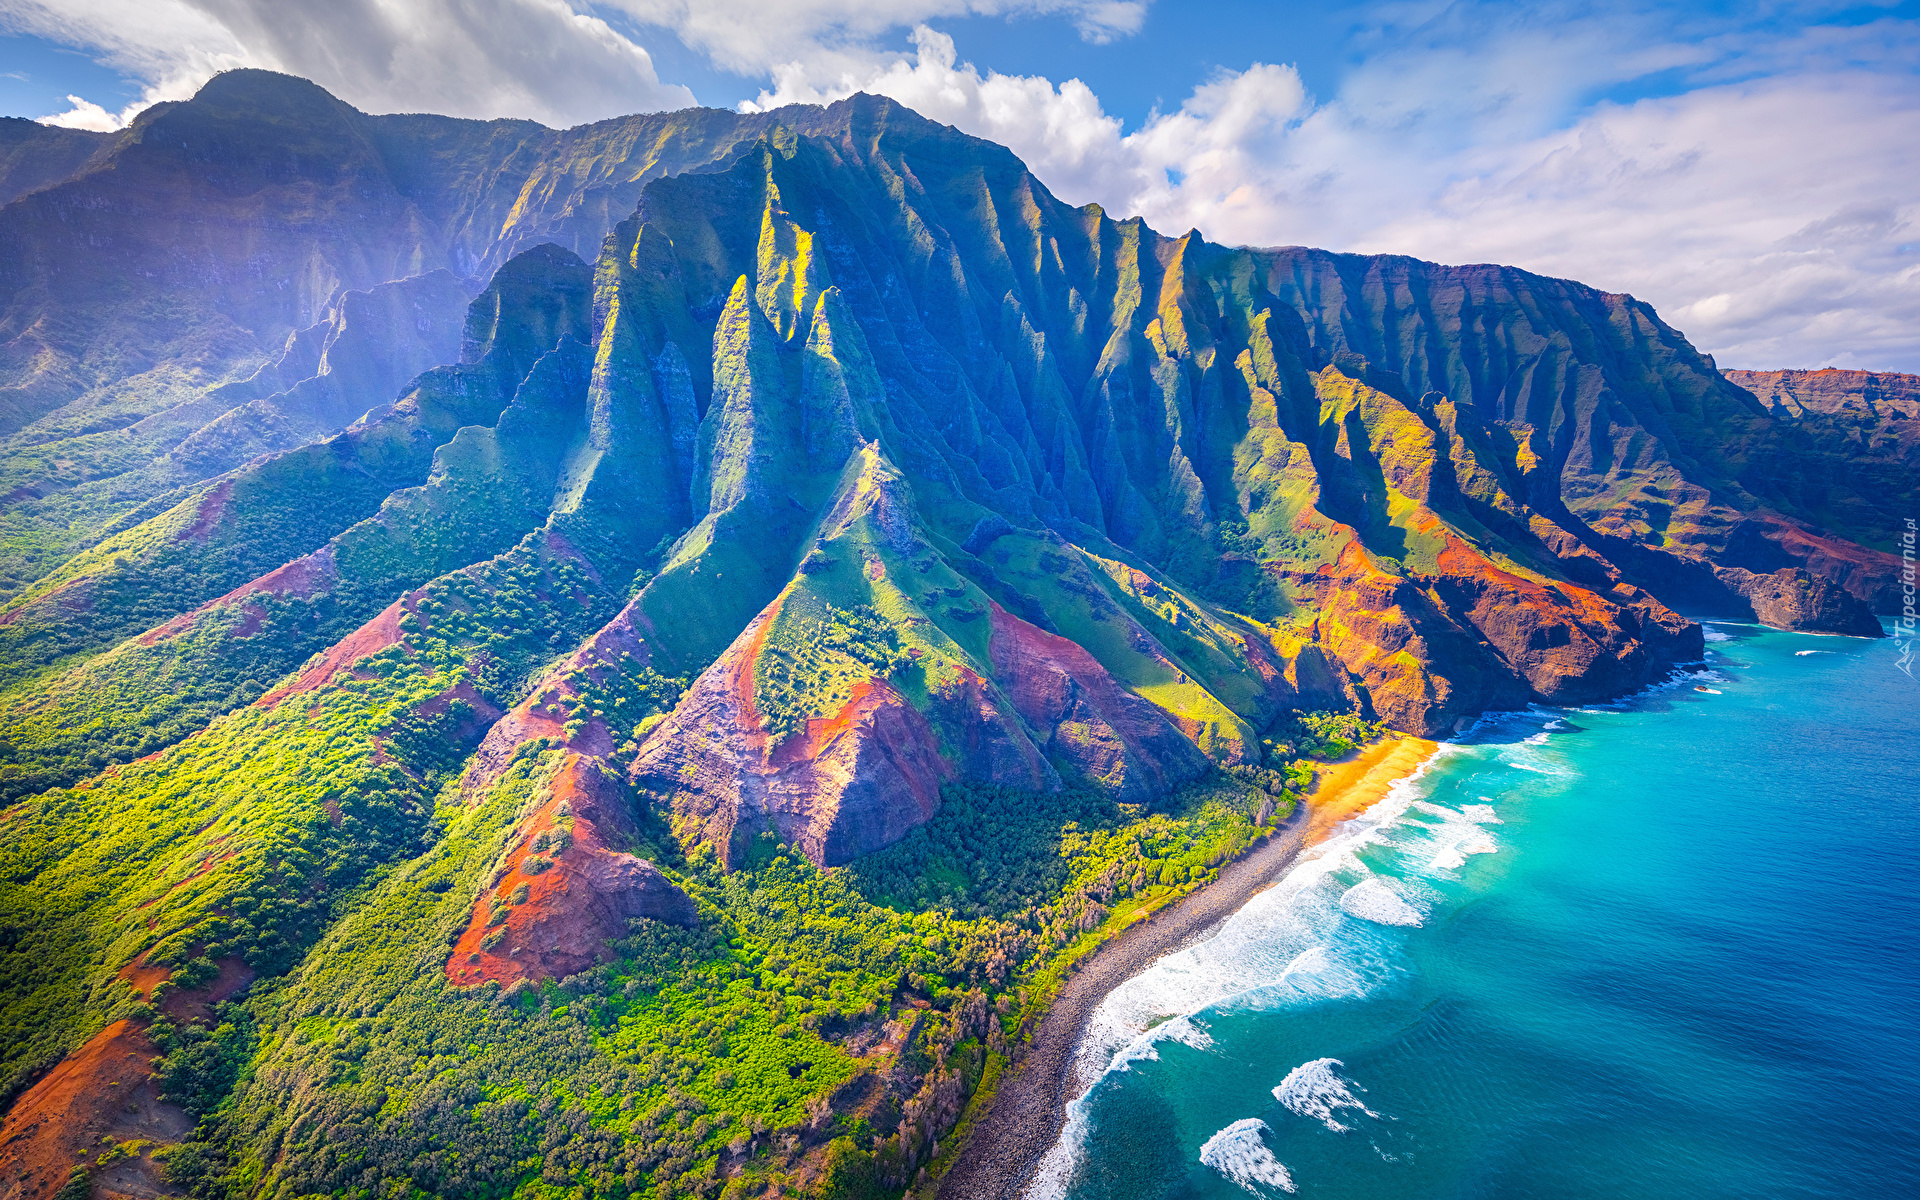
574	775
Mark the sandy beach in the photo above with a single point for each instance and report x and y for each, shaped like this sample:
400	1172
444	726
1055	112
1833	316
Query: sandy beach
1027	1113
1358	782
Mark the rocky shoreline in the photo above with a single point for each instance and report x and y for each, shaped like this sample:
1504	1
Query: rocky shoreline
1027	1113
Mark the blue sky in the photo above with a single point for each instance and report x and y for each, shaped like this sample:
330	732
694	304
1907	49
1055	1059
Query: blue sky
1749	168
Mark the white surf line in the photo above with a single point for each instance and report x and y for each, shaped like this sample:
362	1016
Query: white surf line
1187	982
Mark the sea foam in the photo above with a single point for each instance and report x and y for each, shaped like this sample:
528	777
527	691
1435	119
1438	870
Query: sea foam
1272	940
1144	1047
1239	1153
1373	900
1285	947
1313	1090
1454	856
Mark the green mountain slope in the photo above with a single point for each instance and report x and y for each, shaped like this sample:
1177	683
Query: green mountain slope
33	155
241	221
676	748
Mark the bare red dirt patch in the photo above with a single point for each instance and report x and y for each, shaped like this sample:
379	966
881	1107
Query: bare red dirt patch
579	895
376	635
301	578
104	1090
213	506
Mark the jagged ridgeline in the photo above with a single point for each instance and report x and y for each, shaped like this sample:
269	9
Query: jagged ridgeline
862	503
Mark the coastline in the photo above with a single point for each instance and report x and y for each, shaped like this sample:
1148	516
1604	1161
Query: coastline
1351	786
1028	1111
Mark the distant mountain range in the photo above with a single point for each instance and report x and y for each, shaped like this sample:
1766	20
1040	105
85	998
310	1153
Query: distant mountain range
447	560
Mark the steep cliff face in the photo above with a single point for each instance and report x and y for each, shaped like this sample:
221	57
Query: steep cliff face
1791	598
1858	437
847	469
238	215
352	201
935	535
370	345
1665	466
1195	487
256	267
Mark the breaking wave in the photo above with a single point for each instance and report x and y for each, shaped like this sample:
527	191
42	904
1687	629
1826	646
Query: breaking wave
1313	1090
1142	1048
1238	1153
1329	930
1453	857
1373	900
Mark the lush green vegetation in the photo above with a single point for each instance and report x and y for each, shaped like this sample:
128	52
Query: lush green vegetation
204	546
135	699
628	698
994	852
817	1030
1322	735
815	654
692	1054
689	1046
989	851
250	839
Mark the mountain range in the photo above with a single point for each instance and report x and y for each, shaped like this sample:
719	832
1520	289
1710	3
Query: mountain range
628	660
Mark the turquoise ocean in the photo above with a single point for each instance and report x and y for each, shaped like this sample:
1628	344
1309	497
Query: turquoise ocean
1666	947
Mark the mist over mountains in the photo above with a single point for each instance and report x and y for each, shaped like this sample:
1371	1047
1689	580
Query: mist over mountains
482	588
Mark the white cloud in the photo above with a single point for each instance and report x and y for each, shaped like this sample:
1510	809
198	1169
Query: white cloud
1765	218
539	59
84	114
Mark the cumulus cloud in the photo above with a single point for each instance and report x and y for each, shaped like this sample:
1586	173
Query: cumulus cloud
554	61
539	59
84	114
1774	221
1772	218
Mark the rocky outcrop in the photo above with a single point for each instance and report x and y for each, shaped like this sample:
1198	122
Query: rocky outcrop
1884	396
845	784
1766	542
1792	598
1094	731
614	648
1569	644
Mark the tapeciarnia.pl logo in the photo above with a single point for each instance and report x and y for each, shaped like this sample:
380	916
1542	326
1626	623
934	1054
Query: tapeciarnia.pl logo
1903	627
